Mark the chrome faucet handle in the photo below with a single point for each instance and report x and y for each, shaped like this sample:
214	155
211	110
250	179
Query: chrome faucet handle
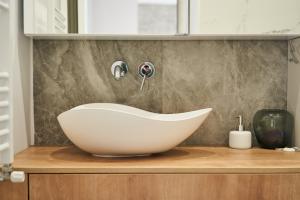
146	70
143	81
119	69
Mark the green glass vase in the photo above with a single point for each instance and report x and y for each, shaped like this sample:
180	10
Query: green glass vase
273	128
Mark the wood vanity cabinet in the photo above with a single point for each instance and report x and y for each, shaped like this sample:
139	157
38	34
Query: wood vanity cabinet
184	173
164	186
14	191
154	187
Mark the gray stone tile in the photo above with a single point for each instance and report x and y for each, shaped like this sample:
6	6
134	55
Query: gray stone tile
71	73
232	77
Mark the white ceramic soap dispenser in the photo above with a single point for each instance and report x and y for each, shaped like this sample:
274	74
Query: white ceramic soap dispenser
240	139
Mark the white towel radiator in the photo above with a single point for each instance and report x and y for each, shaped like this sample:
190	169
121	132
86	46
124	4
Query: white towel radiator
6	132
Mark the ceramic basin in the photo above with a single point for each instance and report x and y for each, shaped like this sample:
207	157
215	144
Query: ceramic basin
106	129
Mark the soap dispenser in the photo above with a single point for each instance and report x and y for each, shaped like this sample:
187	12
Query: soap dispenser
240	139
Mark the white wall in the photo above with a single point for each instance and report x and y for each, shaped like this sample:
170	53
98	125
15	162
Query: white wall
294	85
15	59
20	64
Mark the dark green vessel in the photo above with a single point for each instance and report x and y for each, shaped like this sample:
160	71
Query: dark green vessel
273	128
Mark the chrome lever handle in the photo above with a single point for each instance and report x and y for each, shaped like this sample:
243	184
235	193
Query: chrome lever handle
146	70
143	82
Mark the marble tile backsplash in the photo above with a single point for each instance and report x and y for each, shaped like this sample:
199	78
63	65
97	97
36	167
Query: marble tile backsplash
232	77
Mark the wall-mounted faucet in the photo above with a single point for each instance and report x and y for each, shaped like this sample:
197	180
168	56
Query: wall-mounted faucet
146	70
119	69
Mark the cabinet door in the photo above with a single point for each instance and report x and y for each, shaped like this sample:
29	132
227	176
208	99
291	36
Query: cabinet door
245	17
164	186
14	191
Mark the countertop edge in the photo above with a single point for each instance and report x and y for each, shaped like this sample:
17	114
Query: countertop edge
181	160
159	171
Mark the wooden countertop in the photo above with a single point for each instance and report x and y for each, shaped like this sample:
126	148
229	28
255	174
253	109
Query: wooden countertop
179	160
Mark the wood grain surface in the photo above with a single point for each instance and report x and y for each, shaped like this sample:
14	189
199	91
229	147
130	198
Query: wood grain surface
179	160
14	191
164	186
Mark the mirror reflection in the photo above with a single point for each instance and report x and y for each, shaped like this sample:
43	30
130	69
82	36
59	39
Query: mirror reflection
105	16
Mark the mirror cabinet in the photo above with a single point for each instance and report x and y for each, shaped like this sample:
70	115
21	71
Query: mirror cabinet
161	17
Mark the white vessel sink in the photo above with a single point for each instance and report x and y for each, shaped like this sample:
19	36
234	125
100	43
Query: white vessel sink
106	129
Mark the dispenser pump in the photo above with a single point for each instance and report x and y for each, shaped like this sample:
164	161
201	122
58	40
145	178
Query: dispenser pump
241	128
240	139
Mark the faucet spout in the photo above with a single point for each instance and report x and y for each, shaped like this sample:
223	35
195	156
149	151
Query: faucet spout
117	72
